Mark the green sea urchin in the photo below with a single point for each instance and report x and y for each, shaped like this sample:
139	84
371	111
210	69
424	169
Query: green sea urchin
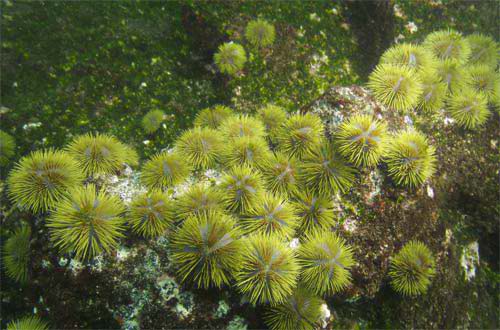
199	199
43	178
246	151
242	126
315	212
260	33
16	254
212	117
325	261
87	222
240	188
200	147
483	79
448	45
412	268
28	323
273	117
452	73
7	147
165	169
484	50
151	122
230	58
434	92
207	249
410	55
268	272
468	108
361	139
280	174
300	135
150	214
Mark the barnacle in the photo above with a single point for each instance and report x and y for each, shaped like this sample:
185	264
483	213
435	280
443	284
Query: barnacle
484	50
260	33
271	214
410	158
468	108
212	117
150	214
361	139
412	268
325	259
7	147
280	174
325	172
240	188
300	311
246	151
152	121
28	323
101	153
300	135
434	92
164	170
242	125
269	269
397	87
483	79
200	147
198	199
314	212
42	178
230	58
273	117
207	249
448	45
410	55
16	254
87	222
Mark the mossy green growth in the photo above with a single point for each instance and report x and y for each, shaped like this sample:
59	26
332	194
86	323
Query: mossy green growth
271	214
212	117
469	108
434	92
448	45
412	269
300	135
273	117
301	311
315	212
198	199
43	178
7	147
362	140
246	151
410	55
242	126
207	249
28	323
240	188
483	79
87	222
326	261
410	158
230	58
151	122
484	50
151	213
260	33
16	255
101	154
280	174
200	147
165	169
269	270
397	87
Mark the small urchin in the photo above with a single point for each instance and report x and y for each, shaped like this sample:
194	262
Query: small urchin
453	74
483	79
31	322
198	199
212	117
151	213
165	169
484	50
7	147
200	147
242	126
469	108
273	117
280	174
315	212
434	92
300	135
151	122
260	33
412	269
16	254
410	55
448	45
240	188
230	58
246	151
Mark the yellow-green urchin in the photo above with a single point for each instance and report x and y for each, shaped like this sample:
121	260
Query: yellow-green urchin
212	117
230	58
151	214
452	73
151	122
448	45
315	212
413	56
165	170
325	172
325	260
434	92
397	87
484	50
273	117
28	323
240	188
300	311
242	125
200	147
271	215
16	255
87	222
268	272
468	108
207	248
300	135
7	147
412	269
483	79
410	158
260	33
280	174
362	140
198	199
101	153
43	178
246	151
